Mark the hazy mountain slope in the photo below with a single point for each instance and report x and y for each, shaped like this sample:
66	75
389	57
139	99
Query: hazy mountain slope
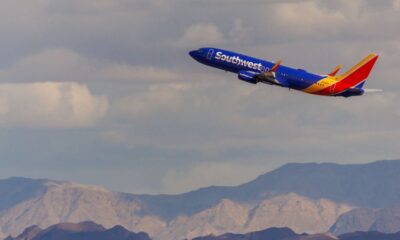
385	220
16	190
291	210
360	219
368	185
388	220
80	231
69	202
296	212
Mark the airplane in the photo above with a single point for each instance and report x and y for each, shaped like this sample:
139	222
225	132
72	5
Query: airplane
253	70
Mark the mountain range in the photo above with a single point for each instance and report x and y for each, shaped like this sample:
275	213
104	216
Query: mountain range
90	230
79	231
270	234
288	234
306	197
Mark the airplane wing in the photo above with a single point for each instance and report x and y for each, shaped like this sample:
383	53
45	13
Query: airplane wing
269	76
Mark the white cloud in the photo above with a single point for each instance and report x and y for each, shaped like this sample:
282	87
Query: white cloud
240	32
49	105
49	65
305	18
396	5
125	72
62	65
155	100
201	34
215	119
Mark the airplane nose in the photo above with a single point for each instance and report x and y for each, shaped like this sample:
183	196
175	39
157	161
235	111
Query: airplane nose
192	54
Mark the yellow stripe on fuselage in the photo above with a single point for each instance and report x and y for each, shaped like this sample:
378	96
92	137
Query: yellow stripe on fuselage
331	80
321	84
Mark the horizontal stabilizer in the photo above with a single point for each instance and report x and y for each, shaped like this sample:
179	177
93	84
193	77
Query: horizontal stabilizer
335	71
372	90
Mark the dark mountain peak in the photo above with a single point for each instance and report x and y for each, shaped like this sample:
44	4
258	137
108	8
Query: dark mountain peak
275	231
29	233
270	234
86	226
119	232
284	230
119	229
80	231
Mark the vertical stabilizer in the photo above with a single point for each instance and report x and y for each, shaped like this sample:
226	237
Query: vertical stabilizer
356	76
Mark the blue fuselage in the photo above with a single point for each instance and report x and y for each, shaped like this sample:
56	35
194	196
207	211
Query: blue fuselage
250	69
234	62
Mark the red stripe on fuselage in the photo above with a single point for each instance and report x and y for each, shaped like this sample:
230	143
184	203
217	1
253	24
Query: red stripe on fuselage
350	80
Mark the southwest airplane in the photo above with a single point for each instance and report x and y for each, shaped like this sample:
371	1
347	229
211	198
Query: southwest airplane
255	70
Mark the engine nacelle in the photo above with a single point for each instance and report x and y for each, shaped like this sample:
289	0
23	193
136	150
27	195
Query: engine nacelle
248	76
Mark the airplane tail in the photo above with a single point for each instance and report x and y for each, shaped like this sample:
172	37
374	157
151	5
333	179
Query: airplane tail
355	77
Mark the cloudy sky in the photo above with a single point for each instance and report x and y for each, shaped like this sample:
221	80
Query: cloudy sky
103	92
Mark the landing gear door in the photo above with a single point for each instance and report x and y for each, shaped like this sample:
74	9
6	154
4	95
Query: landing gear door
210	54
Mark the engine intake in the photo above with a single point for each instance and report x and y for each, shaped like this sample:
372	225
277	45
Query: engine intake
248	76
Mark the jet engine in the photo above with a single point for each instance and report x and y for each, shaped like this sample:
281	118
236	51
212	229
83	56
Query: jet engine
253	77
248	76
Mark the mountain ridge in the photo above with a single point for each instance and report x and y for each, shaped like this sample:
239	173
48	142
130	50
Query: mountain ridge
79	231
287	179
323	190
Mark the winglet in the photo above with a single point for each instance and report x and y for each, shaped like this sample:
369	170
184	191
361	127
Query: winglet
276	66
335	71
